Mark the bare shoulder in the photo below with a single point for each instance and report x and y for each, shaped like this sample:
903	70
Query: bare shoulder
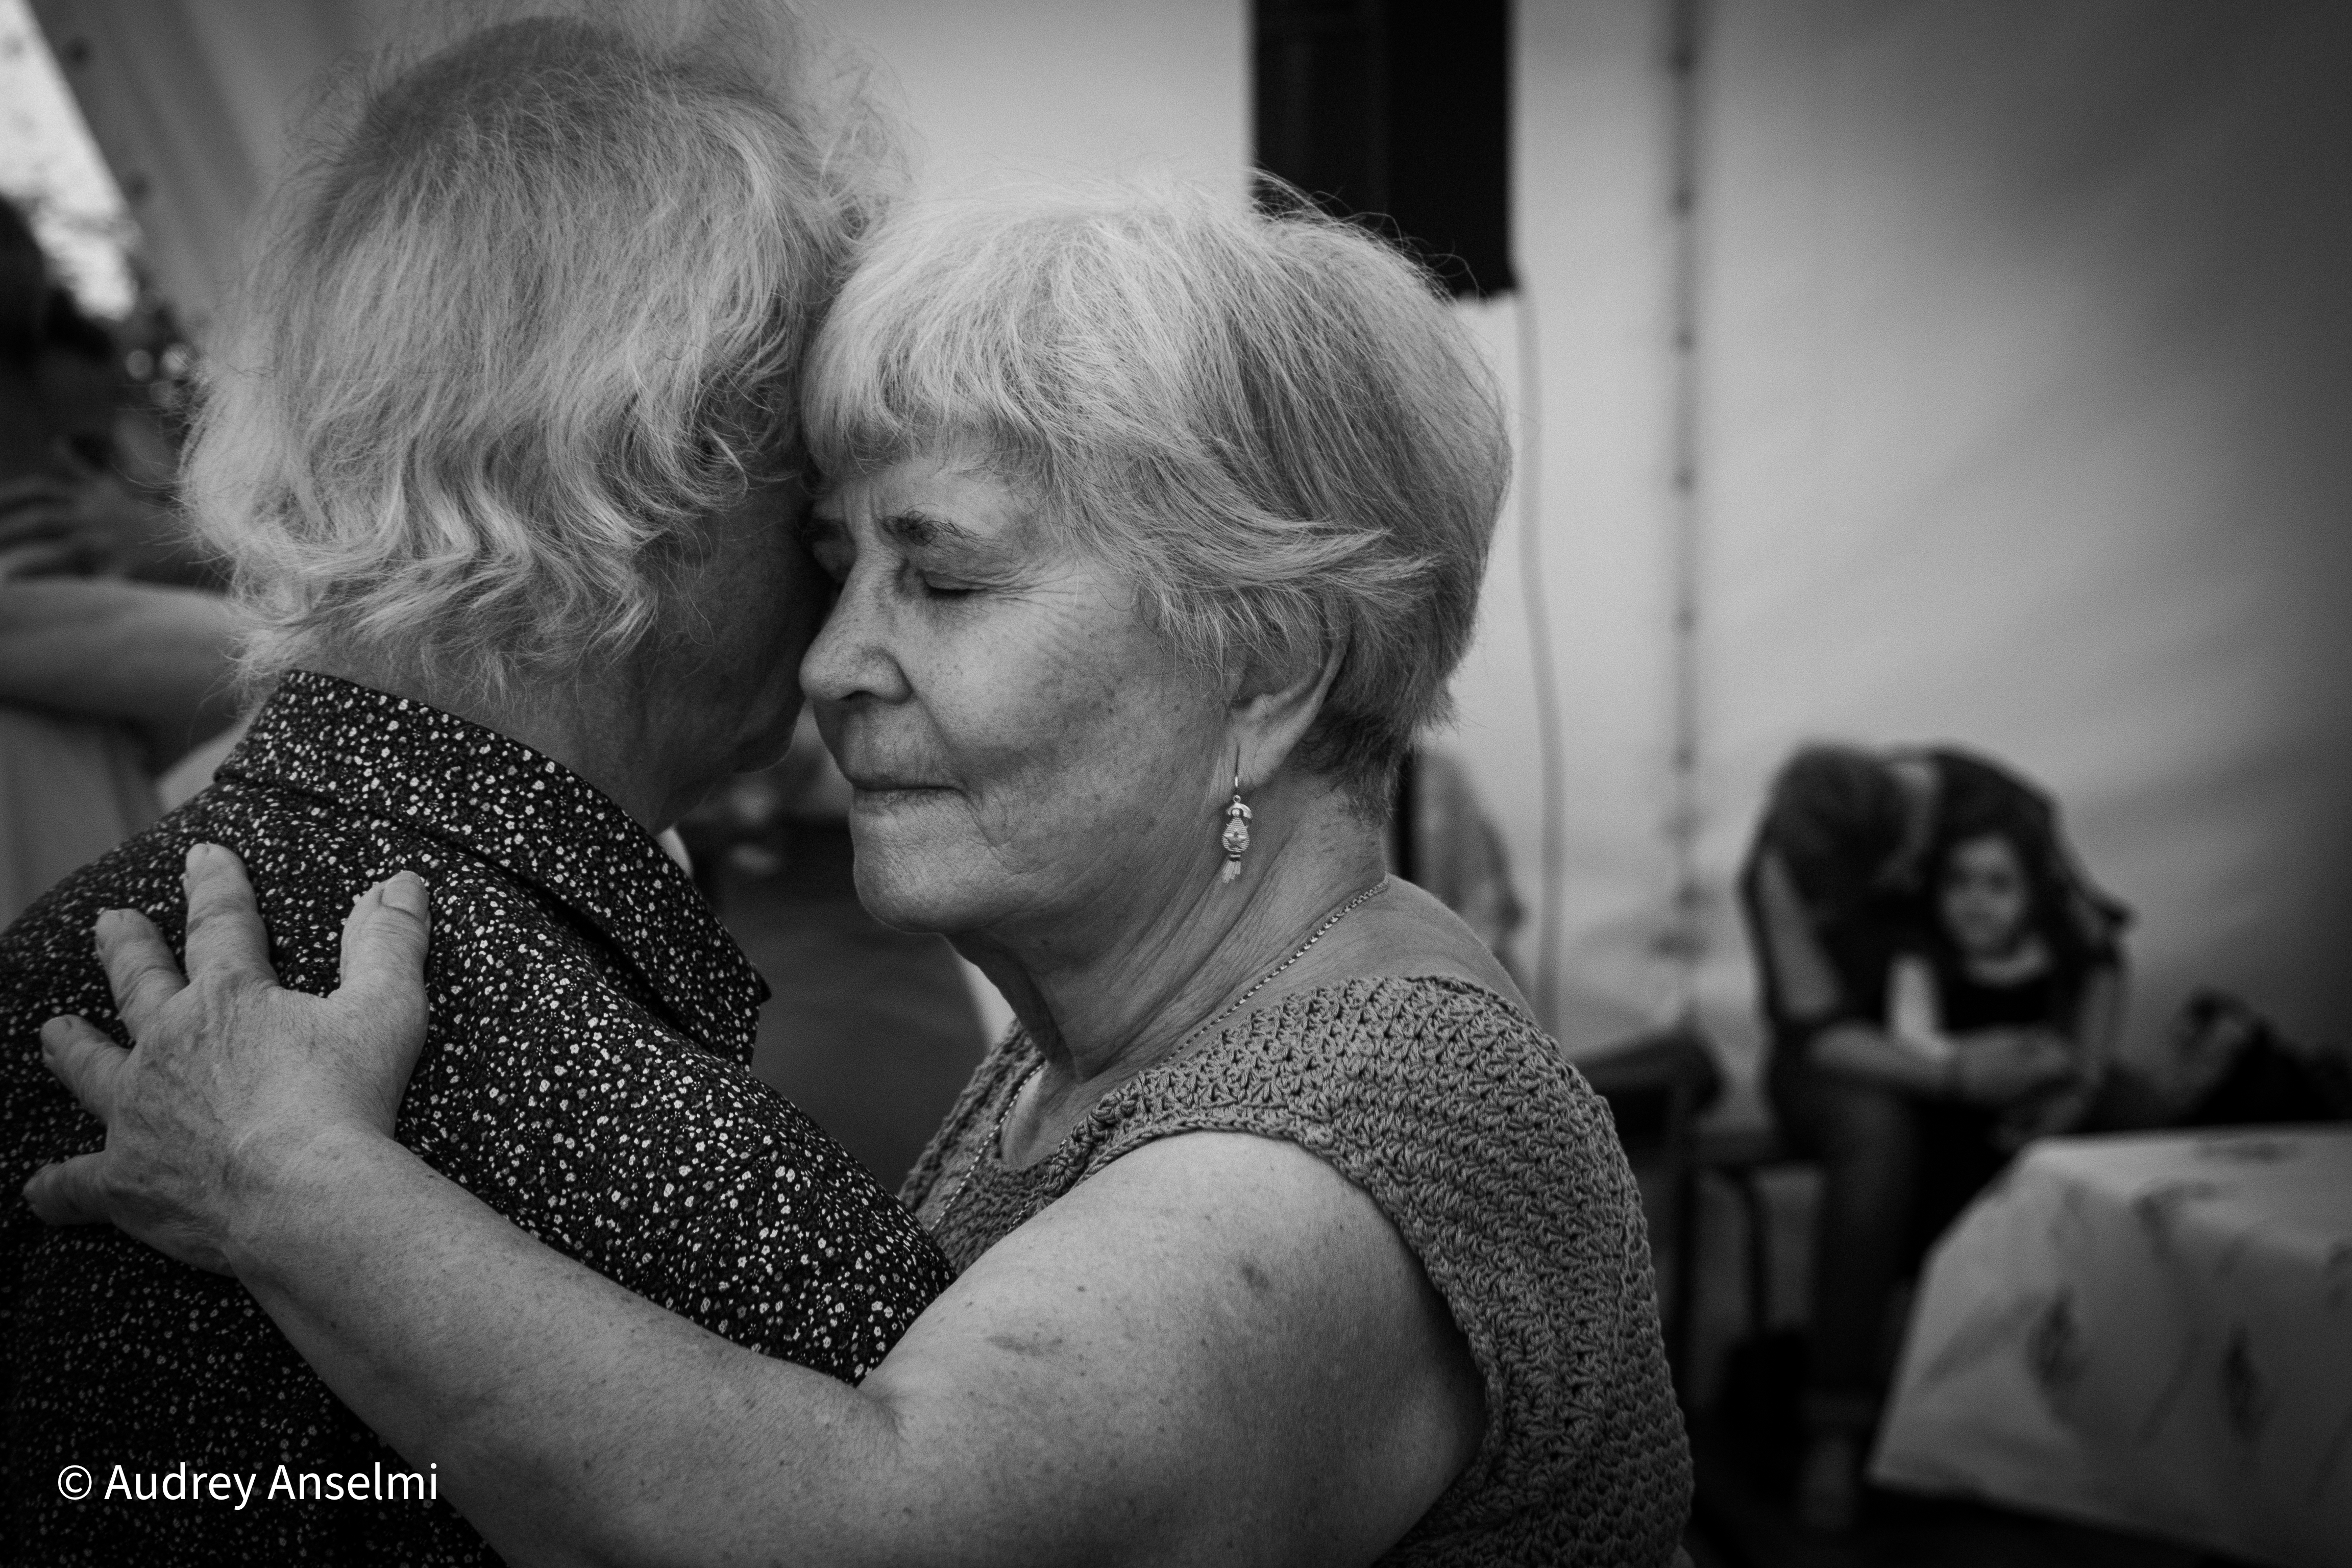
1227	1327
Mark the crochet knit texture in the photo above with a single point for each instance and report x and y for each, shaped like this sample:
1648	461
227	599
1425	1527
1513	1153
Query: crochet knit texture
1502	1171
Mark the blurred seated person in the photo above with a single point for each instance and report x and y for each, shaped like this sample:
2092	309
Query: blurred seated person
105	681
1862	858
2000	955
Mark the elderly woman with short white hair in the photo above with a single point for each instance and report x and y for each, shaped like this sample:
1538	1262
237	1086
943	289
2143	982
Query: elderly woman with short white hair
1155	527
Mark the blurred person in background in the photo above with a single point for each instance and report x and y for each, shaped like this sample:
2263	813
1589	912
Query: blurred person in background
1997	953
1862	858
115	650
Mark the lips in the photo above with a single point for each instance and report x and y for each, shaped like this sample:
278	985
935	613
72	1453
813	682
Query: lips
889	784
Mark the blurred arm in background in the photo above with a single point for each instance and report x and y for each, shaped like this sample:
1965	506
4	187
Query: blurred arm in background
154	658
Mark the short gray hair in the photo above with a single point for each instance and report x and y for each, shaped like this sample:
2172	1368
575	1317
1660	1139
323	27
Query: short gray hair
539	308
1269	422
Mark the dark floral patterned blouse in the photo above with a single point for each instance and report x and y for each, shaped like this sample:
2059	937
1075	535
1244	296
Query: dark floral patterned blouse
584	1076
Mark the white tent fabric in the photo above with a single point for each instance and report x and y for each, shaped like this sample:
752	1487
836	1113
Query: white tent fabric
191	106
2024	367
2024	364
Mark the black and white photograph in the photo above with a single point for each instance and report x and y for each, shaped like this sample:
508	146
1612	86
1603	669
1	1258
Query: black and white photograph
1003	784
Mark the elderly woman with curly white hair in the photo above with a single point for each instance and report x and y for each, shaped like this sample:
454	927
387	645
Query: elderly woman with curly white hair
499	446
1155	527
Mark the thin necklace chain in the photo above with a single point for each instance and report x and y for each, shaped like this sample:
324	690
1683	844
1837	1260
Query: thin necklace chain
1342	912
1005	1112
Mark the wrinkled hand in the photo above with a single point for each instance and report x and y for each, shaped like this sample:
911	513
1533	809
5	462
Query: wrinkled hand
2000	1067
232	1077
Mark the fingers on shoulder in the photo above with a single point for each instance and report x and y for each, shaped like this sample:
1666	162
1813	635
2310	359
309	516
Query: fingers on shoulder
141	968
83	1058
386	935
225	933
69	1193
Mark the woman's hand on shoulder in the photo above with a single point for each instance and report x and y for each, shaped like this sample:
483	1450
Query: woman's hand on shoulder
1218	1348
231	1076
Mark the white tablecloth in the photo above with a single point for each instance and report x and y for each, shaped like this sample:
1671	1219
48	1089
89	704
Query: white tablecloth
2152	1333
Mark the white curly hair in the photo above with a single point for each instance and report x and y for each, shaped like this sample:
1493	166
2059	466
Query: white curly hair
537	309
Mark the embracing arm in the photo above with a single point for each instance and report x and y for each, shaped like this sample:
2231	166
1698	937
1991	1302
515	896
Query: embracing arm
1099	1388
1215	1350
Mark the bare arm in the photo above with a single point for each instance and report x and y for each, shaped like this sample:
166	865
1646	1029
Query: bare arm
2090	1050
1217	1350
155	658
1809	991
1105	1386
1994	1068
2098	1021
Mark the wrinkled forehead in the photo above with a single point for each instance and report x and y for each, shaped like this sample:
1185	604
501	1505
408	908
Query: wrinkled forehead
892	475
956	494
858	426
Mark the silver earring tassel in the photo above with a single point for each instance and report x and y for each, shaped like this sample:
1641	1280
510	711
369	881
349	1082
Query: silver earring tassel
1235	838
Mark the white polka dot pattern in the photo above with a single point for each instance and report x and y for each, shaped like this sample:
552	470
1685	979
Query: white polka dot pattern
585	1076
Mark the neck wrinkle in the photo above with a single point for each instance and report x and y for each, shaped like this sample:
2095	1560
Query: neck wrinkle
1132	1003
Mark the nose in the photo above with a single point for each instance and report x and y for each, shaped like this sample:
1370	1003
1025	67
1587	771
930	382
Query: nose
855	654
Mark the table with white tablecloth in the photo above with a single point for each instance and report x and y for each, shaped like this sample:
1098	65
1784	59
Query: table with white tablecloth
2147	1331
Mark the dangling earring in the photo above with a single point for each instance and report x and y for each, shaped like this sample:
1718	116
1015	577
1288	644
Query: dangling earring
1235	838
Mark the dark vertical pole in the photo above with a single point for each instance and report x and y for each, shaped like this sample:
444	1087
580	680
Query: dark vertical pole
1397	110
1683	941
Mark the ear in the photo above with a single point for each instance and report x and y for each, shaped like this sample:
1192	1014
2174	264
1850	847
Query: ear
1273	707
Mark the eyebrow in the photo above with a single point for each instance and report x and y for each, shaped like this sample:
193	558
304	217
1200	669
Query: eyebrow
922	530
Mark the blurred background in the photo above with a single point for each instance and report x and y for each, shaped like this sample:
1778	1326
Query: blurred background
1886	370
1905	372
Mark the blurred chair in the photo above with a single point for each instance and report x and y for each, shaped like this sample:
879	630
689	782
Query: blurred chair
1656	1085
1742	1156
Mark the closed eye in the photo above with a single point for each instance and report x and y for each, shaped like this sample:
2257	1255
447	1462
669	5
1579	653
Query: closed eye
935	586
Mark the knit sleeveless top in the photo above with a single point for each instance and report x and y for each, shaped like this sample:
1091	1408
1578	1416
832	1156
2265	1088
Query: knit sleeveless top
1502	1171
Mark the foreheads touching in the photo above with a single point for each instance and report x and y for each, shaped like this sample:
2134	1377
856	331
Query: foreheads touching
535	312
